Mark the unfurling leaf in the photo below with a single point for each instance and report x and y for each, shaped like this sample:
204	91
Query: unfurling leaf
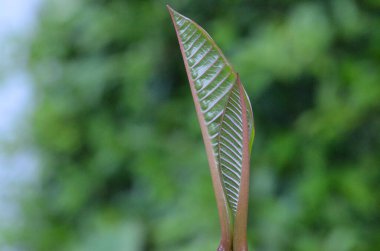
226	120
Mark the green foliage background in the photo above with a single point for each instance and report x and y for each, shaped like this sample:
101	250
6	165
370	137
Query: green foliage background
123	165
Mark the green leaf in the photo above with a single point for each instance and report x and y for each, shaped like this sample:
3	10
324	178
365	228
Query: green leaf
226	120
230	146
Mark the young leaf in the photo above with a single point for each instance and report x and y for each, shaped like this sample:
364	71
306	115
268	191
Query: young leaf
226	120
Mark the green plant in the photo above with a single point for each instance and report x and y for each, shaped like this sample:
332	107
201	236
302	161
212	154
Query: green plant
226	120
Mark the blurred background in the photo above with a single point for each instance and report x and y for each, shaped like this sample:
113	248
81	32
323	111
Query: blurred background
100	147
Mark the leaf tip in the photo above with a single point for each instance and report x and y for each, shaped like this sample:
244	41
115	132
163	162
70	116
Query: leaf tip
174	14
170	9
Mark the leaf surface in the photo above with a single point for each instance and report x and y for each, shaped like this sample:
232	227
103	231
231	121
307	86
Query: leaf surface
226	120
230	145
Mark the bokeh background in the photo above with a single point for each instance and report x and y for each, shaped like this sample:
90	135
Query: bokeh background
118	159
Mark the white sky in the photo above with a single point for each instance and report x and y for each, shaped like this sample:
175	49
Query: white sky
16	15
16	23
17	19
